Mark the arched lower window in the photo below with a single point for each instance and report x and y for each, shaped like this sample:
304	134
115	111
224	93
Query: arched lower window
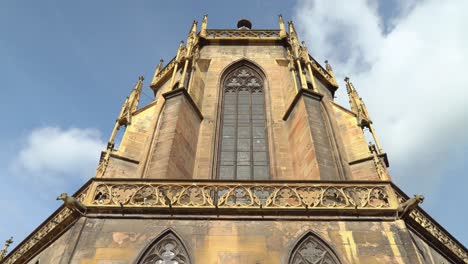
243	139
311	249
165	249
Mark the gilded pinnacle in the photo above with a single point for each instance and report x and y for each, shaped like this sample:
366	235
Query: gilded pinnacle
203	26
329	69
194	27
282	33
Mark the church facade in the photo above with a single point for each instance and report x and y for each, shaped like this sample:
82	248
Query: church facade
242	157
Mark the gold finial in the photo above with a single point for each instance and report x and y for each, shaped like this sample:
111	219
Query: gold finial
291	27
180	51
160	64
292	69
328	66
293	40
158	70
304	53
329	69
192	43
194	27
360	109
290	60
350	89
177	60
203	26
4	251
282	33
357	105
124	119
379	164
192	40
134	97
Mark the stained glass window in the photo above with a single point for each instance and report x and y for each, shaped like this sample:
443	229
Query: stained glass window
244	144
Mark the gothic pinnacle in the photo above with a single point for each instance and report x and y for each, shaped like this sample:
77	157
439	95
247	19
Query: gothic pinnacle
194	27
328	67
282	33
203	26
360	109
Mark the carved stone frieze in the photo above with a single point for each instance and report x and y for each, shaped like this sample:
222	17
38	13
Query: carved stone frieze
421	219
440	235
240	195
38	237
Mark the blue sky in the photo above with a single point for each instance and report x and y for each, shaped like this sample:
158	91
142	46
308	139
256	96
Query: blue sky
66	68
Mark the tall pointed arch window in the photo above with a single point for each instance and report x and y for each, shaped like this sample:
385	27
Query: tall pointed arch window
165	249
243	138
311	249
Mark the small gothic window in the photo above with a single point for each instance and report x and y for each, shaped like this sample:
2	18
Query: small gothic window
166	249
312	249
243	138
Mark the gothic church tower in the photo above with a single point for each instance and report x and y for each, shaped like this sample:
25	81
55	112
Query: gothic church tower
242	157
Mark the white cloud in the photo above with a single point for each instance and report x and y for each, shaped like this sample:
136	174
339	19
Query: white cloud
412	78
53	154
51	160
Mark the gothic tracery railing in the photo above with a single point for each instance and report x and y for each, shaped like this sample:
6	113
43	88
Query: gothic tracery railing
246	195
242	34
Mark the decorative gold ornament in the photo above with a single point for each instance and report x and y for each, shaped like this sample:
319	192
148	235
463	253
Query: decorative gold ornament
360	109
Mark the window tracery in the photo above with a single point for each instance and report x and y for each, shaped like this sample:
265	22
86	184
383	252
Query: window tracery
244	145
166	249
311	249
